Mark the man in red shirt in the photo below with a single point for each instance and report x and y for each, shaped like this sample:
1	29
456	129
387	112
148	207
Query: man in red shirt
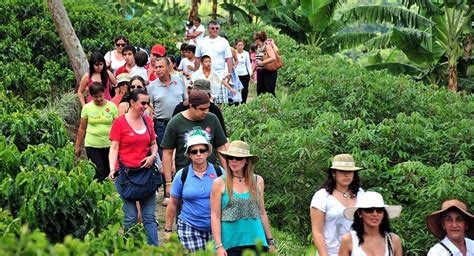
157	50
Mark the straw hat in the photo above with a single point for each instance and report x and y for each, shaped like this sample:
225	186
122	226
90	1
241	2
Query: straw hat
124	77
239	148
197	139
434	223
371	199
344	162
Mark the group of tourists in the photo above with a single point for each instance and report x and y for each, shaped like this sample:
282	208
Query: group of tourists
149	119
346	220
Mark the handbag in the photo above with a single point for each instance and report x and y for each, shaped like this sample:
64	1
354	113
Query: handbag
274	65
138	183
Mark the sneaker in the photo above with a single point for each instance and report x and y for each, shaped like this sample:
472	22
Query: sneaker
165	202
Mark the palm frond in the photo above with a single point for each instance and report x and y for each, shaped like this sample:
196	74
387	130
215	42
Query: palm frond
427	5
396	68
379	42
397	15
319	12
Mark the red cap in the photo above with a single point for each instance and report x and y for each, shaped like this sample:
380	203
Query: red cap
158	49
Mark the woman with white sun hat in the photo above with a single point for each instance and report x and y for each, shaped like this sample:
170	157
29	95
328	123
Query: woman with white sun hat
370	234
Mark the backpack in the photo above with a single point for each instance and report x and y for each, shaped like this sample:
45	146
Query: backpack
184	175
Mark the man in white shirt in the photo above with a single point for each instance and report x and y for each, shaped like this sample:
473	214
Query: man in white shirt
197	32
218	49
454	225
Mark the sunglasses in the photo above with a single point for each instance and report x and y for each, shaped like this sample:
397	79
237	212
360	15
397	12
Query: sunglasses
120	45
371	210
214	28
144	103
236	158
136	87
195	151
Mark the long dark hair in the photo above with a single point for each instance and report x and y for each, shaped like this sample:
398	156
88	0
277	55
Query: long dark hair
330	182
358	225
97	57
134	95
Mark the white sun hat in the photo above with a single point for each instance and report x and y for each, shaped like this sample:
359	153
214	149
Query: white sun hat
371	199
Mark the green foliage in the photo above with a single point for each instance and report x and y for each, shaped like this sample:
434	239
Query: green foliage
33	128
386	122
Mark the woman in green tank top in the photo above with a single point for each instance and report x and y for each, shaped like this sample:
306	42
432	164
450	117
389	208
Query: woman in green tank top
238	216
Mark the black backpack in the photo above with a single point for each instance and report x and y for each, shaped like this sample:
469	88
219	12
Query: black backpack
184	175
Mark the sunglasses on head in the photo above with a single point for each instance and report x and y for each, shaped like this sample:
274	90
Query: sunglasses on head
120	45
195	151
144	103
236	158
136	87
371	210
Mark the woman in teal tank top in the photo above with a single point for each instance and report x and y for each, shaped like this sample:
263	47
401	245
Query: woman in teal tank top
238	216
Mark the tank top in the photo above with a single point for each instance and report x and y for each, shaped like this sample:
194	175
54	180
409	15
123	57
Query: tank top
259	55
357	250
106	91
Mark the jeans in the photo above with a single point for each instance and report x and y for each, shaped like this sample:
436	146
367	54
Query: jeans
148	206
160	128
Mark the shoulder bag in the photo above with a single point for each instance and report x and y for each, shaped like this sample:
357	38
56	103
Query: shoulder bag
274	65
139	183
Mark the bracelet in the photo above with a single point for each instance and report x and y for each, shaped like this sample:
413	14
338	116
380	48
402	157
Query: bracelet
219	245
169	183
270	241
168	230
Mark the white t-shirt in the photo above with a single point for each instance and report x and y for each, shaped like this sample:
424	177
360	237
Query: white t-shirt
219	50
439	250
139	71
200	29
244	67
114	62
183	65
213	79
335	225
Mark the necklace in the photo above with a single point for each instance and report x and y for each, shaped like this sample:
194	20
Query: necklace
240	178
345	194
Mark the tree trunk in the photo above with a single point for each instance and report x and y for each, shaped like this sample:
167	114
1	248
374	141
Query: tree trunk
214	9
468	46
194	10
452	79
71	43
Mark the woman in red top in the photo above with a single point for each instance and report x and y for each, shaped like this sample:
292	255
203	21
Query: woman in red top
132	139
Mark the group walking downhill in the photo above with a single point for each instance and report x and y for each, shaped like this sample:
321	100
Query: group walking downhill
151	119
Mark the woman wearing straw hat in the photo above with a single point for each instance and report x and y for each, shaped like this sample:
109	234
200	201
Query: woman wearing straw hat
371	228
454	226
340	190
194	221
238	215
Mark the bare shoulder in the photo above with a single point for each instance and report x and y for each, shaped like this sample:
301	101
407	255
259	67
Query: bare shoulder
395	238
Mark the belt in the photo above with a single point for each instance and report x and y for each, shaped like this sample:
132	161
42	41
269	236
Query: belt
162	120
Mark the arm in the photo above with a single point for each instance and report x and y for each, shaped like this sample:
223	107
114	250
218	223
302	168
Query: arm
227	85
229	68
167	166
346	245
83	88
122	108
397	245
113	156
171	214
248	65
112	78
271	55
216	197
194	34
81	133
197	62
263	212
317	226
222	159
149	160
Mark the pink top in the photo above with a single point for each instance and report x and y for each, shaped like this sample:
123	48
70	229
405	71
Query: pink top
106	92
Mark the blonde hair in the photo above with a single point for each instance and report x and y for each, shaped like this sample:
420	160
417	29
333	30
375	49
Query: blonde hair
249	178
